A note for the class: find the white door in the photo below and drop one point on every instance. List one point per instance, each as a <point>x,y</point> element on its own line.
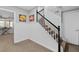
<point>71,26</point>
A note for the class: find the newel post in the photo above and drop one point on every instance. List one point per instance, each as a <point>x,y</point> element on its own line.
<point>59,47</point>
<point>36,15</point>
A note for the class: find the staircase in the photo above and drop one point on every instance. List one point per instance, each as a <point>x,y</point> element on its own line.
<point>53,31</point>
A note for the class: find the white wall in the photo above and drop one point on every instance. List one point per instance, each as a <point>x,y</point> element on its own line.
<point>52,16</point>
<point>33,12</point>
<point>40,8</point>
<point>19,31</point>
<point>42,37</point>
<point>71,24</point>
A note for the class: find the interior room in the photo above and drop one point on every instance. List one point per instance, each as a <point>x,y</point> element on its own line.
<point>39,29</point>
<point>6,28</point>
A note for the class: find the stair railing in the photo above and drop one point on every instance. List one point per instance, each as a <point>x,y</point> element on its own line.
<point>58,28</point>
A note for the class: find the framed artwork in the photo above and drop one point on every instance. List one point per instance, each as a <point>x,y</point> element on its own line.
<point>31,18</point>
<point>22,18</point>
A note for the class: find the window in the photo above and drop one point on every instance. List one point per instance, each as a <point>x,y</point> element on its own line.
<point>9,24</point>
<point>6,23</point>
<point>2,24</point>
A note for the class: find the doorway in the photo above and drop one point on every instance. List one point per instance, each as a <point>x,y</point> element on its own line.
<point>6,29</point>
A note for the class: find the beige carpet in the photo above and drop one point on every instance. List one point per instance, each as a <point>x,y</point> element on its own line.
<point>6,45</point>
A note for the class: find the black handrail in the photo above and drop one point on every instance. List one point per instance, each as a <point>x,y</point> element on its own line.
<point>41,10</point>
<point>58,28</point>
<point>59,45</point>
<point>48,20</point>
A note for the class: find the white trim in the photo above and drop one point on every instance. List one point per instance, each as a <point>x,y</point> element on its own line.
<point>6,10</point>
<point>71,10</point>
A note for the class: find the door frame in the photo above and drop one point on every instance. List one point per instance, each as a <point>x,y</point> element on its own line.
<point>6,9</point>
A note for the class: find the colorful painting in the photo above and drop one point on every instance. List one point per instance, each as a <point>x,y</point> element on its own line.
<point>22,18</point>
<point>31,18</point>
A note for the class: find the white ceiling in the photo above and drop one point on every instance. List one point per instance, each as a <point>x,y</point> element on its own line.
<point>26,7</point>
<point>65,8</point>
<point>9,14</point>
<point>6,14</point>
